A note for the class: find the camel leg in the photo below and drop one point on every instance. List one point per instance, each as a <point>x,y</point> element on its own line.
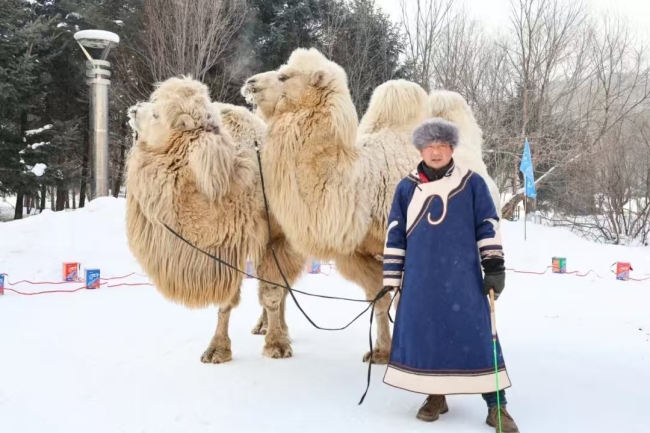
<point>277,342</point>
<point>219,349</point>
<point>367,272</point>
<point>262,324</point>
<point>273,298</point>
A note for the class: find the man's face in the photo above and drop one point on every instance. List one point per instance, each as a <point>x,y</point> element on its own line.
<point>437,154</point>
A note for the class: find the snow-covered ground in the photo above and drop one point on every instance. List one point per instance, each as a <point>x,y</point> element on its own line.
<point>122,359</point>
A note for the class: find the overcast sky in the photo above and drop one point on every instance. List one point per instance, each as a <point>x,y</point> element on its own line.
<point>495,13</point>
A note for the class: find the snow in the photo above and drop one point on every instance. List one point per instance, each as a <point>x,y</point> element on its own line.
<point>37,131</point>
<point>125,359</point>
<point>62,25</point>
<point>39,169</point>
<point>37,145</point>
<point>97,34</point>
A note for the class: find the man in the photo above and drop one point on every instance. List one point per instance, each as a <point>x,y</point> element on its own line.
<point>442,229</point>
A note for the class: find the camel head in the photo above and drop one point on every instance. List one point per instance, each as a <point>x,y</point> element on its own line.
<point>395,104</point>
<point>183,104</point>
<point>148,128</point>
<point>307,76</point>
<point>263,92</point>
<point>453,107</point>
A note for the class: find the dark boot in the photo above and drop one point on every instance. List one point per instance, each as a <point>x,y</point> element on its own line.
<point>507,423</point>
<point>432,407</point>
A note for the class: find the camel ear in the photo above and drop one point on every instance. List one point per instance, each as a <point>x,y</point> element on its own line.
<point>318,78</point>
<point>184,122</point>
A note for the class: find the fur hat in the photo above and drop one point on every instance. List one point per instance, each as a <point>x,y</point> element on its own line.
<point>435,129</point>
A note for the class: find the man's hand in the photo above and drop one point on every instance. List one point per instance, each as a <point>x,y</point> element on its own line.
<point>496,281</point>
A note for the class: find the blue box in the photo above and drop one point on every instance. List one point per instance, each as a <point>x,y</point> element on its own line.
<point>2,284</point>
<point>92,279</point>
<point>314,268</point>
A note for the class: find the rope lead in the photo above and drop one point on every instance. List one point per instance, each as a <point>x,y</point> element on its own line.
<point>287,286</point>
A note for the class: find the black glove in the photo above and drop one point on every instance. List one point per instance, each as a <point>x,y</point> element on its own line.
<point>494,281</point>
<point>495,276</point>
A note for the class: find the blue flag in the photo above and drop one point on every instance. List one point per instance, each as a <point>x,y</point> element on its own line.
<point>526,168</point>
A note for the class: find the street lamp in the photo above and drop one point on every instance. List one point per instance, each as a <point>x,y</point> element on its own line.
<point>98,73</point>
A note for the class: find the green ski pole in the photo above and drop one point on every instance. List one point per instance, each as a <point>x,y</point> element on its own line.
<point>494,346</point>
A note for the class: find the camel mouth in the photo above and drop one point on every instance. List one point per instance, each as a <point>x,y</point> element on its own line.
<point>248,91</point>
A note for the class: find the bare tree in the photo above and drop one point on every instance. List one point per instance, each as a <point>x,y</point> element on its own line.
<point>613,91</point>
<point>422,22</point>
<point>618,177</point>
<point>189,36</point>
<point>540,51</point>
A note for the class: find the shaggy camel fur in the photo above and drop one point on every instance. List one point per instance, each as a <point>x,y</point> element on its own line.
<point>330,191</point>
<point>453,107</point>
<point>246,129</point>
<point>185,171</point>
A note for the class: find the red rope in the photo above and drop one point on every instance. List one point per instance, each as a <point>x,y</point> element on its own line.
<point>105,283</point>
<point>69,282</point>
<point>576,273</point>
<point>125,276</point>
<point>47,291</point>
<point>131,284</point>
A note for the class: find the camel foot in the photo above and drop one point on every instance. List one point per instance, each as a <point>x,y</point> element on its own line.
<point>278,348</point>
<point>217,353</point>
<point>378,356</point>
<point>260,327</point>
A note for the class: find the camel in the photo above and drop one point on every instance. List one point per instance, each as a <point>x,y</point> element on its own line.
<point>452,106</point>
<point>331,181</point>
<point>186,171</point>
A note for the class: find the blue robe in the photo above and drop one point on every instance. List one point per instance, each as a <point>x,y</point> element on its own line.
<point>438,233</point>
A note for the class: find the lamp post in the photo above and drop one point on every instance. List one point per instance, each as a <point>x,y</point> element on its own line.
<point>98,79</point>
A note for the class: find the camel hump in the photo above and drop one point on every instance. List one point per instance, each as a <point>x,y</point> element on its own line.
<point>395,104</point>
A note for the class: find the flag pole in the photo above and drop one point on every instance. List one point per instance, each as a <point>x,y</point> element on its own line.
<point>525,211</point>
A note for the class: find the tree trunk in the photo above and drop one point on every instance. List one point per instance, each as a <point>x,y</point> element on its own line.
<point>120,172</point>
<point>60,198</point>
<point>84,170</point>
<point>43,196</point>
<point>74,199</point>
<point>508,210</point>
<point>18,213</point>
<point>67,198</point>
<point>52,199</point>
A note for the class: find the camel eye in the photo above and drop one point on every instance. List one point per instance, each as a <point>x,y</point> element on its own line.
<point>282,78</point>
